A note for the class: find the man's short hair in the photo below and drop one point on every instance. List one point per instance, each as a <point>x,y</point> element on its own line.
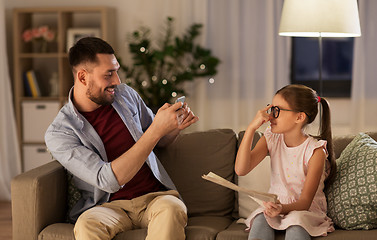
<point>86,50</point>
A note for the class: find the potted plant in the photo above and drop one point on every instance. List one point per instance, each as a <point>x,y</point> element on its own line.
<point>158,74</point>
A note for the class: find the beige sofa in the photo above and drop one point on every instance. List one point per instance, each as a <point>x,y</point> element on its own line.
<point>39,197</point>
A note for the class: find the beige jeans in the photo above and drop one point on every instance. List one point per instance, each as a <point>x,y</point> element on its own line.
<point>163,213</point>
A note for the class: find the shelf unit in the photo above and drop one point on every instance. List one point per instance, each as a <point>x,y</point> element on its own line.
<point>34,114</point>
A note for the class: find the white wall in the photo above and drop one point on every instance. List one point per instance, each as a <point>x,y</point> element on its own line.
<point>130,14</point>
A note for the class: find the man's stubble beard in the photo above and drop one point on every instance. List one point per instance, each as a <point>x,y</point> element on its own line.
<point>101,99</point>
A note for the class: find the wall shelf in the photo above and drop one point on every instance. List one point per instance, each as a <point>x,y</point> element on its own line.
<point>34,114</point>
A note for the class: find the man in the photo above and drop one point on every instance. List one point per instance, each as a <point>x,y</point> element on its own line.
<point>104,136</point>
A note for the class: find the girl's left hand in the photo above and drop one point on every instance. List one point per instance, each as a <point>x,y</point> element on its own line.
<point>272,209</point>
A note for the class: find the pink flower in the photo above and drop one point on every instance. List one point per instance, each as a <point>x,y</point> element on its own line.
<point>49,36</point>
<point>43,30</point>
<point>27,35</point>
<point>38,33</point>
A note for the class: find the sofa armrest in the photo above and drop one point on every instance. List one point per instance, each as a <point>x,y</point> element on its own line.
<point>38,200</point>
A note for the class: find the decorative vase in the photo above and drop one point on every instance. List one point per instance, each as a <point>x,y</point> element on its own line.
<point>40,46</point>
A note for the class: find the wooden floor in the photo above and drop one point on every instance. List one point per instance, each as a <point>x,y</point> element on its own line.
<point>5,221</point>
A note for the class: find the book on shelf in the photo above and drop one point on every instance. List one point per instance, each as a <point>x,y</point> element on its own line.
<point>257,196</point>
<point>31,84</point>
<point>27,86</point>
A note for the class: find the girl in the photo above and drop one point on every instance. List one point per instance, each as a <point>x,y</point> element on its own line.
<point>299,165</point>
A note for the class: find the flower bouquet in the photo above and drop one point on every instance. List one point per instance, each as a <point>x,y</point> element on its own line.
<point>40,36</point>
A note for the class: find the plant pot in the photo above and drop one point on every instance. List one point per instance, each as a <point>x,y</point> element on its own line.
<point>40,46</point>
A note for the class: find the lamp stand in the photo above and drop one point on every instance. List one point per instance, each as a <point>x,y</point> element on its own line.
<point>320,65</point>
<point>320,81</point>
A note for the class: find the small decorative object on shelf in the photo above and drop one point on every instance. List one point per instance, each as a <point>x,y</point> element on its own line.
<point>40,37</point>
<point>54,84</point>
<point>158,74</point>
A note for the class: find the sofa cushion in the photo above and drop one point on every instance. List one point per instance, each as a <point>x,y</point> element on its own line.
<point>341,142</point>
<point>57,231</point>
<point>206,227</point>
<point>352,197</point>
<point>73,194</point>
<point>236,231</point>
<point>198,228</point>
<point>258,179</point>
<point>198,153</point>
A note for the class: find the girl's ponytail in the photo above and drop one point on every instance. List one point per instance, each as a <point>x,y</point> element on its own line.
<point>326,134</point>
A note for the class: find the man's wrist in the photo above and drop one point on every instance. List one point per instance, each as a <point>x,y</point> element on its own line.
<point>154,133</point>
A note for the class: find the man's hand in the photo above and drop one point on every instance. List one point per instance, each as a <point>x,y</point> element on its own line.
<point>186,118</point>
<point>172,117</point>
<point>166,119</point>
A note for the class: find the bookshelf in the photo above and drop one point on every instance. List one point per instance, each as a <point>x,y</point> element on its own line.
<point>51,68</point>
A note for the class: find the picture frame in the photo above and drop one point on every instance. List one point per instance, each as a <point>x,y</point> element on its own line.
<point>75,34</point>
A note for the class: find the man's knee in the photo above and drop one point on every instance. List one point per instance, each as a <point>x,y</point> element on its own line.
<point>167,216</point>
<point>170,206</point>
<point>86,219</point>
<point>84,225</point>
<point>103,222</point>
<point>173,203</point>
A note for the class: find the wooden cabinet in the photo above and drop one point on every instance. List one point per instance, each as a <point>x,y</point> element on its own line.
<point>49,63</point>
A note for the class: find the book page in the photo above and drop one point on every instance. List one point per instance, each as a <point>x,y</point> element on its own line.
<point>259,197</point>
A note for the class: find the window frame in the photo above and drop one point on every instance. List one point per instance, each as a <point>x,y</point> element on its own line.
<point>335,88</point>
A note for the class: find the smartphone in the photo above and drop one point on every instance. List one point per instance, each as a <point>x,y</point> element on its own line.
<point>181,99</point>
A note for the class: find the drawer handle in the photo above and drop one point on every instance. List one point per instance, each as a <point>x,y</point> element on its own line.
<point>41,150</point>
<point>41,106</point>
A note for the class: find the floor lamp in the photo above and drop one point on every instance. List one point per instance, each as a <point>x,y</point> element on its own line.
<point>320,18</point>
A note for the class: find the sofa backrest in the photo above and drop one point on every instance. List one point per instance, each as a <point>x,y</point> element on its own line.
<point>341,142</point>
<point>195,154</point>
<point>256,138</point>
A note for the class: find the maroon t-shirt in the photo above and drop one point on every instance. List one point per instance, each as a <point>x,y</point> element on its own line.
<point>117,140</point>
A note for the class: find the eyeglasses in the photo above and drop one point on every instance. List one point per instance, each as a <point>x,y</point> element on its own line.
<point>275,111</point>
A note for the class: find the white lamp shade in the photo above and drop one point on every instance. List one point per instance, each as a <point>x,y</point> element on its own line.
<point>314,18</point>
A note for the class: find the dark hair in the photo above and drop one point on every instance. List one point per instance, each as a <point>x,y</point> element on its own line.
<point>86,50</point>
<point>304,99</point>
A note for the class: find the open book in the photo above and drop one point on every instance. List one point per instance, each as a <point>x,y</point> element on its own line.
<point>259,197</point>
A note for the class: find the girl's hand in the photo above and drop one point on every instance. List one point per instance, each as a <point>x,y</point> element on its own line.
<point>260,118</point>
<point>272,209</point>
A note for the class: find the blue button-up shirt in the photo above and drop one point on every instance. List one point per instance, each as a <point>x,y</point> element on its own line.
<point>72,141</point>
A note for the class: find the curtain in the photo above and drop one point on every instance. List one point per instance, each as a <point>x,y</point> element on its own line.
<point>9,148</point>
<point>243,34</point>
<point>364,83</point>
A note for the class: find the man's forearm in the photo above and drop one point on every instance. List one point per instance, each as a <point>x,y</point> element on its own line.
<point>129,163</point>
<point>168,139</point>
